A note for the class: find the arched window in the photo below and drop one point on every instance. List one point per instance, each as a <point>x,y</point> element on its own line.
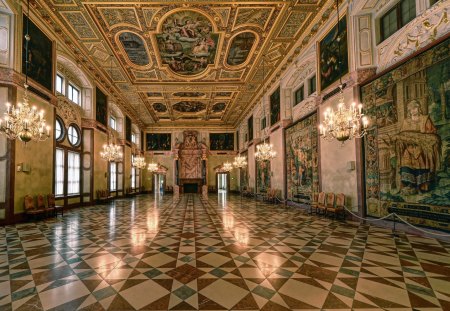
<point>73,135</point>
<point>60,130</point>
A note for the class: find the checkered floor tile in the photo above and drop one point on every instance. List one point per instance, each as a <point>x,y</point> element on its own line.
<point>223,253</point>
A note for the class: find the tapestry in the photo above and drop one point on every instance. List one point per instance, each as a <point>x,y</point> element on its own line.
<point>40,55</point>
<point>101,107</point>
<point>275,107</point>
<point>262,176</point>
<point>221,141</point>
<point>407,149</point>
<point>158,141</point>
<point>302,160</point>
<point>128,128</point>
<point>333,49</point>
<point>250,128</point>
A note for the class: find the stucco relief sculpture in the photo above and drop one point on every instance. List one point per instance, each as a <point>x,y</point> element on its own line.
<point>191,153</point>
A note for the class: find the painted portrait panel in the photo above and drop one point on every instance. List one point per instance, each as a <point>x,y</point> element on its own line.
<point>275,107</point>
<point>331,54</point>
<point>302,160</point>
<point>189,106</point>
<point>221,141</point>
<point>187,43</point>
<point>407,151</point>
<point>240,48</point>
<point>128,128</point>
<point>158,141</point>
<point>244,173</point>
<point>40,55</point>
<point>101,107</point>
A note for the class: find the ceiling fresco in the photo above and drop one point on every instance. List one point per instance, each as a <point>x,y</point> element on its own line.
<point>179,58</point>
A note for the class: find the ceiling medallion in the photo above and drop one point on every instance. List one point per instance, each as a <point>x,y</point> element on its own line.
<point>186,42</point>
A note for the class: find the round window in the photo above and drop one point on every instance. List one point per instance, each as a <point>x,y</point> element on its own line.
<point>59,130</point>
<point>73,134</point>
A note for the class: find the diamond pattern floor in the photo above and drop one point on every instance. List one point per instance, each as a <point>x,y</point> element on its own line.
<point>222,253</point>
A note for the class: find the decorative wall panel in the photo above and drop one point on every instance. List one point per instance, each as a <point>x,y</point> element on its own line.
<point>262,176</point>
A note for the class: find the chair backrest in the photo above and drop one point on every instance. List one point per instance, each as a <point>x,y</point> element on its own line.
<point>50,200</point>
<point>28,203</point>
<point>40,201</point>
<point>340,200</point>
<point>321,198</point>
<point>315,197</point>
<point>329,199</point>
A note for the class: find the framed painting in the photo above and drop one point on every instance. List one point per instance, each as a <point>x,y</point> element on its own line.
<point>221,141</point>
<point>333,49</point>
<point>407,149</point>
<point>101,107</point>
<point>40,55</point>
<point>250,128</point>
<point>262,176</point>
<point>158,141</point>
<point>128,128</point>
<point>302,159</point>
<point>275,106</point>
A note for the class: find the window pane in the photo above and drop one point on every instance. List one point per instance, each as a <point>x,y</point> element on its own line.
<point>73,173</point>
<point>112,123</point>
<point>312,85</point>
<point>58,130</point>
<point>59,84</point>
<point>112,176</point>
<point>408,11</point>
<point>299,95</point>
<point>74,94</point>
<point>73,135</point>
<point>389,24</point>
<point>133,177</point>
<point>59,172</point>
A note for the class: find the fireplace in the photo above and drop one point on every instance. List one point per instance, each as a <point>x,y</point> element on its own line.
<point>190,185</point>
<point>190,188</point>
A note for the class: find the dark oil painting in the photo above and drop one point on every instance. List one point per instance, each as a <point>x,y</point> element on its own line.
<point>101,107</point>
<point>332,51</point>
<point>158,141</point>
<point>40,55</point>
<point>275,107</point>
<point>221,141</point>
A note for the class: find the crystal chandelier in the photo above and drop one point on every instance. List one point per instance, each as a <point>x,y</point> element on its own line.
<point>227,166</point>
<point>152,167</point>
<point>347,122</point>
<point>240,162</point>
<point>139,162</point>
<point>112,152</point>
<point>22,121</point>
<point>264,151</point>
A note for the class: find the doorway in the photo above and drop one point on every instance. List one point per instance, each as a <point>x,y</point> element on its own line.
<point>222,182</point>
<point>158,183</point>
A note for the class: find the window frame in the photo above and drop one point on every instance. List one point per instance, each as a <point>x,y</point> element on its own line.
<point>77,130</point>
<point>312,80</point>
<point>62,84</point>
<point>113,119</point>
<point>112,176</point>
<point>399,22</point>
<point>70,169</point>
<point>70,93</point>
<point>302,88</point>
<point>61,137</point>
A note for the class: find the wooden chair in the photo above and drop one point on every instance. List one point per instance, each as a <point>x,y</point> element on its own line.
<point>339,207</point>
<point>329,201</point>
<point>321,207</point>
<point>314,202</point>
<point>41,204</point>
<point>30,207</point>
<point>52,204</point>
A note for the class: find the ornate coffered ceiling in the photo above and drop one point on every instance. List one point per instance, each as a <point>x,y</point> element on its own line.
<point>186,61</point>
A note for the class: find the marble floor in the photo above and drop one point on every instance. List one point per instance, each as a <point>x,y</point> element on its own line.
<point>222,253</point>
